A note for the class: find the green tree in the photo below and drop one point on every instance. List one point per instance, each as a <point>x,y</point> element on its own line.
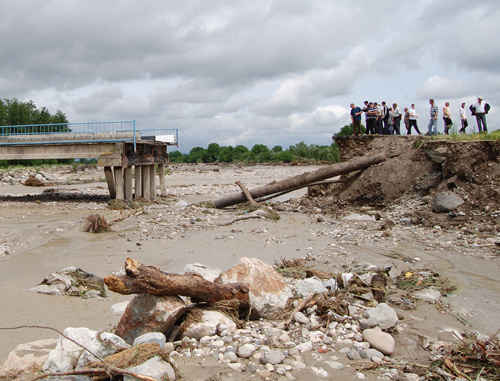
<point>226,154</point>
<point>175,157</point>
<point>258,149</point>
<point>347,130</point>
<point>278,149</point>
<point>213,152</point>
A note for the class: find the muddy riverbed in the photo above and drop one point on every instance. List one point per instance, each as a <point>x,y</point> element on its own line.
<point>41,232</point>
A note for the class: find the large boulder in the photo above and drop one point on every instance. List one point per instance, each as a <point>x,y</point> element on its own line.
<point>30,356</point>
<point>268,292</point>
<point>68,356</point>
<point>382,316</point>
<point>446,201</point>
<point>73,282</point>
<point>149,313</point>
<point>209,325</point>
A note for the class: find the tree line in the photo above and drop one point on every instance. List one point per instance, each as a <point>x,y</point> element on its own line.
<point>16,113</point>
<point>259,153</point>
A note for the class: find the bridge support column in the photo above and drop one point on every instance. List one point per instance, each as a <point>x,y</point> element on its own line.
<point>128,183</point>
<point>152,179</point>
<point>120,191</point>
<point>138,181</point>
<point>161,174</point>
<point>146,183</point>
<point>110,179</point>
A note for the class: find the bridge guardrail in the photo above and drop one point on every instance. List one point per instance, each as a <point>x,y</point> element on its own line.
<point>83,133</point>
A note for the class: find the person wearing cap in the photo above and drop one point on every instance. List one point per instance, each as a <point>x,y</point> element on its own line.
<point>481,111</point>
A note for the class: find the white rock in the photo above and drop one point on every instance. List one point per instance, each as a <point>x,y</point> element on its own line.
<point>208,273</point>
<point>385,316</point>
<point>299,317</point>
<point>268,291</point>
<point>119,308</point>
<point>309,286</point>
<point>208,325</point>
<point>67,355</point>
<point>29,355</point>
<point>155,367</point>
<point>305,347</point>
<point>335,365</point>
<point>379,340</point>
<point>246,351</point>
<point>151,337</point>
<point>319,372</point>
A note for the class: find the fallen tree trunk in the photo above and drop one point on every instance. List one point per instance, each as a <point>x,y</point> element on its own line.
<point>140,279</point>
<point>302,180</point>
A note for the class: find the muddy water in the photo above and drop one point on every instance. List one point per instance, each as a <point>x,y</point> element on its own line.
<point>42,240</point>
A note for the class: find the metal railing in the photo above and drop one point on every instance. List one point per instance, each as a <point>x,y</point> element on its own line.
<point>124,131</point>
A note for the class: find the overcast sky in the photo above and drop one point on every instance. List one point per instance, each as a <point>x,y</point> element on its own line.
<point>246,72</point>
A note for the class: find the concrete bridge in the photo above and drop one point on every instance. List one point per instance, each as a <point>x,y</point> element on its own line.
<point>121,149</point>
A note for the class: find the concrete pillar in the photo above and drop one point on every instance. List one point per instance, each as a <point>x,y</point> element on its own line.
<point>161,174</point>
<point>138,181</point>
<point>128,183</point>
<point>108,172</point>
<point>120,195</point>
<point>146,183</point>
<point>152,179</point>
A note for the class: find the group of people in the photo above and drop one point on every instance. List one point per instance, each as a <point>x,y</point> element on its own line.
<point>386,120</point>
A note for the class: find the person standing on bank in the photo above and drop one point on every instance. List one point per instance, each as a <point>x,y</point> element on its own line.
<point>463,118</point>
<point>407,120</point>
<point>413,120</point>
<point>447,118</point>
<point>356,119</point>
<point>481,111</point>
<point>397,119</point>
<point>371,119</point>
<point>432,128</point>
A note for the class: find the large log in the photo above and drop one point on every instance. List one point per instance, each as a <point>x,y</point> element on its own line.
<point>140,279</point>
<point>302,180</point>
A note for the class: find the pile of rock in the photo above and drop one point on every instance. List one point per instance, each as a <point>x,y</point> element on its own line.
<point>262,347</point>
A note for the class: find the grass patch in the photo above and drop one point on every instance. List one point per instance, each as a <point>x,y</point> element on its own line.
<point>293,268</point>
<point>495,135</point>
<point>424,279</point>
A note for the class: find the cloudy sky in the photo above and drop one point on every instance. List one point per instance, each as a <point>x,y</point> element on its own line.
<point>246,72</point>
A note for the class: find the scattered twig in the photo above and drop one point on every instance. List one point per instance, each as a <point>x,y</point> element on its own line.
<point>109,370</point>
<point>300,307</point>
<point>240,219</point>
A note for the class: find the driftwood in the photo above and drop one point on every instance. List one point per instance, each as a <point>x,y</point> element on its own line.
<point>300,307</point>
<point>140,279</point>
<point>302,180</point>
<point>246,192</point>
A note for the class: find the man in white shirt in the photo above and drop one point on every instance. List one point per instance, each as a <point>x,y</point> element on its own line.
<point>463,118</point>
<point>413,120</point>
<point>480,114</point>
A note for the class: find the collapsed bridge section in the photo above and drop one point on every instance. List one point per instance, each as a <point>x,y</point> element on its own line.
<point>119,148</point>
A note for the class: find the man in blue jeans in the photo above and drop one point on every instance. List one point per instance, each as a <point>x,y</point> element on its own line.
<point>432,128</point>
<point>481,112</point>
